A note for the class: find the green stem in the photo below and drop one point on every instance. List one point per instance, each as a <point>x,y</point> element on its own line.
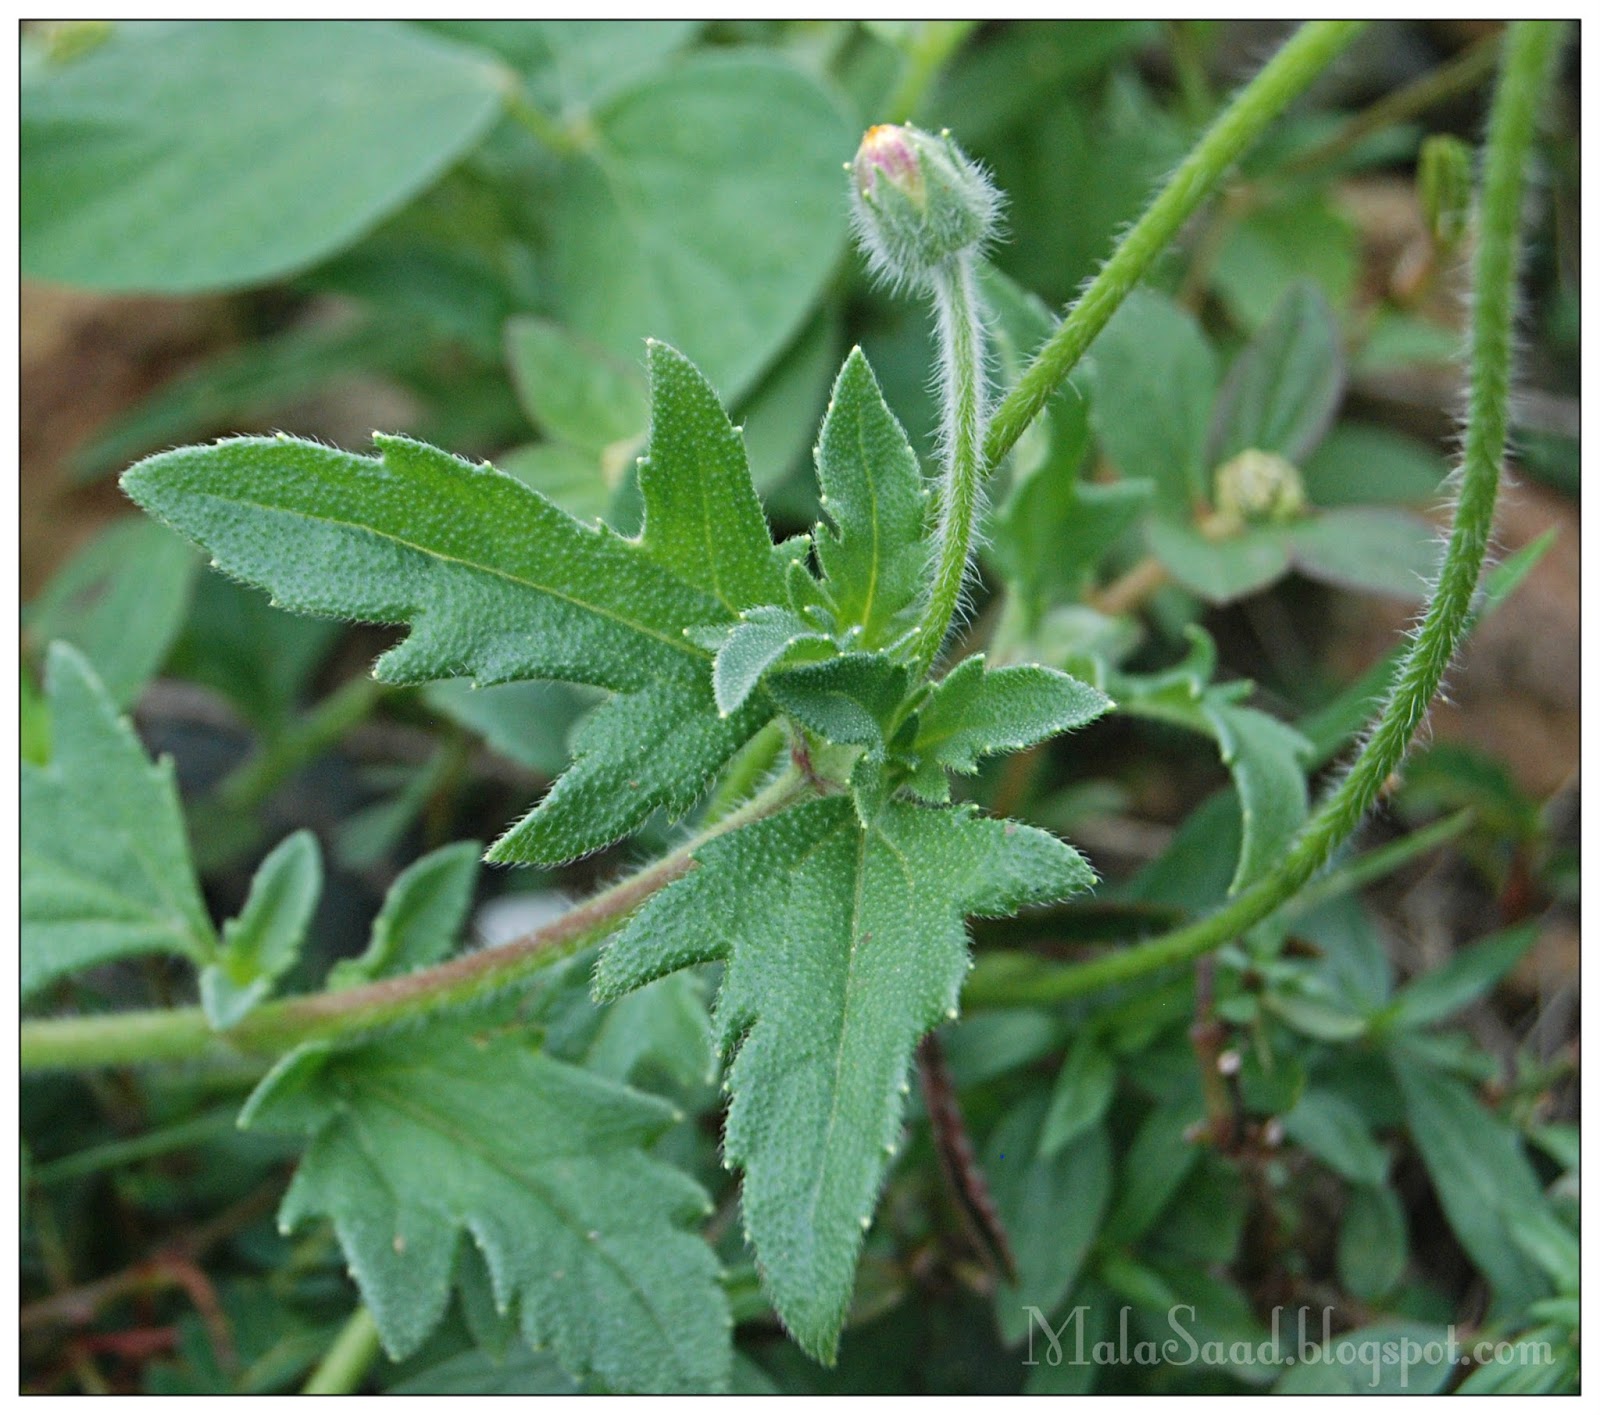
<point>1311,49</point>
<point>1529,50</point>
<point>935,45</point>
<point>1461,75</point>
<point>960,341</point>
<point>133,1038</point>
<point>118,1154</point>
<point>345,1366</point>
<point>249,784</point>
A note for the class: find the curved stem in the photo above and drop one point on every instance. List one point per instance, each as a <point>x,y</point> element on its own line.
<point>177,1034</point>
<point>1309,51</point>
<point>960,338</point>
<point>1530,47</point>
<point>347,1361</point>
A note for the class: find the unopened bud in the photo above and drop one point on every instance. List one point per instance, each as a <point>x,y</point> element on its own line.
<point>918,200</point>
<point>1444,185</point>
<point>1259,486</point>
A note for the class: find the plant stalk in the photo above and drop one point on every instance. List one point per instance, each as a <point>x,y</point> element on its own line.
<point>1528,55</point>
<point>347,1361</point>
<point>960,339</point>
<point>181,1034</point>
<point>1308,52</point>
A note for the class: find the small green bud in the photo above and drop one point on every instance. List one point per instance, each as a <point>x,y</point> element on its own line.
<point>1259,486</point>
<point>918,201</point>
<point>1444,184</point>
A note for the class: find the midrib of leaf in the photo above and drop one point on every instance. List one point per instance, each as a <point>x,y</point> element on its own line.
<point>872,499</point>
<point>467,1141</point>
<point>856,905</point>
<point>679,643</point>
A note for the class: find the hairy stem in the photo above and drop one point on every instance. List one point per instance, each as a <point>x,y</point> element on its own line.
<point>1529,51</point>
<point>130,1038</point>
<point>1312,48</point>
<point>960,337</point>
<point>347,1361</point>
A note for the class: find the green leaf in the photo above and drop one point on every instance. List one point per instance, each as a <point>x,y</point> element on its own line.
<point>1052,535</point>
<point>1266,758</point>
<point>780,415</point>
<point>1383,551</point>
<point>661,1028</point>
<point>1358,463</point>
<point>1463,980</point>
<point>1284,388</point>
<point>844,945</point>
<point>1386,1358</point>
<point>412,1147</point>
<point>216,154</point>
<point>121,601</point>
<point>575,478</point>
<point>1480,1174</point>
<point>1153,377</point>
<point>1081,1096</point>
<point>1220,571</point>
<point>421,919</point>
<point>1050,1203</point>
<point>262,943</point>
<point>1372,1243</point>
<point>1280,246</point>
<point>703,520</point>
<point>973,712</point>
<point>570,64</point>
<point>766,638</point>
<point>874,554</point>
<point>678,221</point>
<point>849,700</point>
<point>497,582</point>
<point>573,390</point>
<point>1154,1167</point>
<point>529,723</point>
<point>1335,1131</point>
<point>104,864</point>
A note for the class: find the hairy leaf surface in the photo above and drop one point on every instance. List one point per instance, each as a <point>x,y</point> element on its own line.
<point>421,918</point>
<point>499,584</point>
<point>105,863</point>
<point>975,713</point>
<point>874,555</point>
<point>844,945</point>
<point>262,943</point>
<point>413,1146</point>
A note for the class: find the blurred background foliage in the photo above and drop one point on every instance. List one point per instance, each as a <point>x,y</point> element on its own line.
<point>464,231</point>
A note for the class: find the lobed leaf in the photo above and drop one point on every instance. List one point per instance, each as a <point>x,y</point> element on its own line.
<point>105,866</point>
<point>499,584</point>
<point>844,944</point>
<point>412,1147</point>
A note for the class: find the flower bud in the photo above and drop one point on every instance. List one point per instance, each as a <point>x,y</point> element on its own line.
<point>917,201</point>
<point>1444,184</point>
<point>1259,486</point>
